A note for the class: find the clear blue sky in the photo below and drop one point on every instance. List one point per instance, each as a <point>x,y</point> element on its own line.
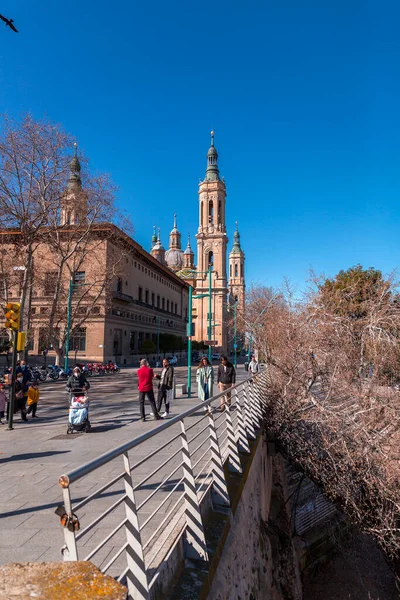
<point>304,98</point>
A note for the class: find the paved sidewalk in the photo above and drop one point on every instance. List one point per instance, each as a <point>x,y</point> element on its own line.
<point>36,453</point>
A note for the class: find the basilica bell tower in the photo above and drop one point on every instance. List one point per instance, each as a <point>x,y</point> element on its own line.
<point>212,243</point>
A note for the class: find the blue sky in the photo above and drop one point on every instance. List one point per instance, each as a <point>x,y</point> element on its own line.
<point>304,99</point>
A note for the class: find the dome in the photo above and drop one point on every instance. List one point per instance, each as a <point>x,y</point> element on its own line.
<point>174,258</point>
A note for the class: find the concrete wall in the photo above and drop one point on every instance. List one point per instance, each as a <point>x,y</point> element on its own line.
<point>258,560</point>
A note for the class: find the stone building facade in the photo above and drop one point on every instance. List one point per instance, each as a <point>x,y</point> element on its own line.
<point>122,295</point>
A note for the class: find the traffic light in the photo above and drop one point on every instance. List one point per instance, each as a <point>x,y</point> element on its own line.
<point>12,315</point>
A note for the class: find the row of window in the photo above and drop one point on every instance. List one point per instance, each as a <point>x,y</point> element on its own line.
<point>80,310</point>
<point>77,341</point>
<point>155,276</point>
<point>167,305</point>
<point>145,319</point>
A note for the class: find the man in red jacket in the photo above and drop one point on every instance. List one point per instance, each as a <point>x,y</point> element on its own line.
<point>145,385</point>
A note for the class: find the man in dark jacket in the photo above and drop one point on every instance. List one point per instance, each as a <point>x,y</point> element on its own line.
<point>165,386</point>
<point>77,383</point>
<point>226,379</point>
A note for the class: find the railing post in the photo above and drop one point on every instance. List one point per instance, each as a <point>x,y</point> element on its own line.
<point>241,429</point>
<point>248,418</point>
<point>255,405</point>
<point>233,455</point>
<point>220,496</point>
<point>136,576</point>
<point>70,550</point>
<point>195,539</point>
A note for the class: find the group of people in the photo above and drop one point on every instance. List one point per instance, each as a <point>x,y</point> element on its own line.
<point>165,387</point>
<point>27,390</point>
<point>226,379</point>
<point>26,396</point>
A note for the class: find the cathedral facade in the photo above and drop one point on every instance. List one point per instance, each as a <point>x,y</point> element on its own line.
<point>226,272</point>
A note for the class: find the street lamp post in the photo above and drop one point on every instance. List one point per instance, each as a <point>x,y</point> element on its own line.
<point>70,290</point>
<point>229,308</point>
<point>189,273</point>
<point>158,339</point>
<point>251,335</point>
<point>234,335</point>
<point>189,334</point>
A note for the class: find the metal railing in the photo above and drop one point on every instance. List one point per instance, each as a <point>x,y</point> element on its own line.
<point>136,500</point>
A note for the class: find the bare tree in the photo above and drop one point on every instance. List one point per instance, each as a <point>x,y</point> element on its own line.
<point>37,181</point>
<point>329,408</point>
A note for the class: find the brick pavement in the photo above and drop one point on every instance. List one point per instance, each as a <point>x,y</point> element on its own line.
<point>33,456</point>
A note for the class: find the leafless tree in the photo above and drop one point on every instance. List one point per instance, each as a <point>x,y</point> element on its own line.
<point>330,409</point>
<point>35,159</point>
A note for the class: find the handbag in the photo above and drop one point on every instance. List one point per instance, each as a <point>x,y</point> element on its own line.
<point>19,395</point>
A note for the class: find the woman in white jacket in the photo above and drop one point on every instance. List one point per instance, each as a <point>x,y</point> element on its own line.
<point>205,380</point>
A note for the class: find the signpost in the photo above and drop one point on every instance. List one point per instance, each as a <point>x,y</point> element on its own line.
<point>210,343</point>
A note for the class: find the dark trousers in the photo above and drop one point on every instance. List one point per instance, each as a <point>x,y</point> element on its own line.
<point>150,398</point>
<point>162,395</point>
<point>32,409</point>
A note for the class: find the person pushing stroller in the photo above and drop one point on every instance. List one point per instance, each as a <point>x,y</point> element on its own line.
<point>77,383</point>
<point>77,386</point>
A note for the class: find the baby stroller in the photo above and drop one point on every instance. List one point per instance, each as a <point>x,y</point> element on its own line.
<point>78,419</point>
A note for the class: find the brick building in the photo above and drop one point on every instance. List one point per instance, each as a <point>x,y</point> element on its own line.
<point>122,296</point>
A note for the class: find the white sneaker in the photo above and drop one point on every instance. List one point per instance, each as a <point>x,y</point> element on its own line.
<point>151,414</point>
<point>165,415</point>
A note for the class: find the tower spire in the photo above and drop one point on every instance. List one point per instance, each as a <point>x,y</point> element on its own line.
<point>154,237</point>
<point>188,256</point>
<point>75,181</point>
<point>236,248</point>
<point>212,171</point>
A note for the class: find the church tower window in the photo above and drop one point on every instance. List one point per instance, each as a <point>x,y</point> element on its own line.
<point>236,270</point>
<point>210,258</point>
<point>211,212</point>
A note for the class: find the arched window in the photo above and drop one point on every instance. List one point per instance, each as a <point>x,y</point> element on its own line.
<point>210,258</point>
<point>211,212</point>
<point>241,270</point>
<point>236,270</point>
<point>230,270</point>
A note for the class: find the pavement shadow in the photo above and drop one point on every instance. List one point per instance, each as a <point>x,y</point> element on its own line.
<point>17,457</point>
<point>32,509</point>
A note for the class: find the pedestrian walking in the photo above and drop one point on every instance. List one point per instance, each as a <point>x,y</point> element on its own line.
<point>165,387</point>
<point>33,399</point>
<point>145,386</point>
<point>205,380</point>
<point>226,380</point>
<point>19,397</point>
<point>253,366</point>
<point>26,373</point>
<point>3,401</point>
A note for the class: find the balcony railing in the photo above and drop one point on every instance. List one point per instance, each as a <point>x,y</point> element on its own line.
<point>121,296</point>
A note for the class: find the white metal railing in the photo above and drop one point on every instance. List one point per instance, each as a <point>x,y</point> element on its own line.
<point>146,487</point>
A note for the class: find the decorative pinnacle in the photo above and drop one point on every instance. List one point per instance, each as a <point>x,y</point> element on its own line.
<point>212,138</point>
<point>159,236</point>
<point>75,149</point>
<point>175,221</point>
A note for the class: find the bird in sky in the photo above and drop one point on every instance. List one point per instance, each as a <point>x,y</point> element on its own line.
<point>9,23</point>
